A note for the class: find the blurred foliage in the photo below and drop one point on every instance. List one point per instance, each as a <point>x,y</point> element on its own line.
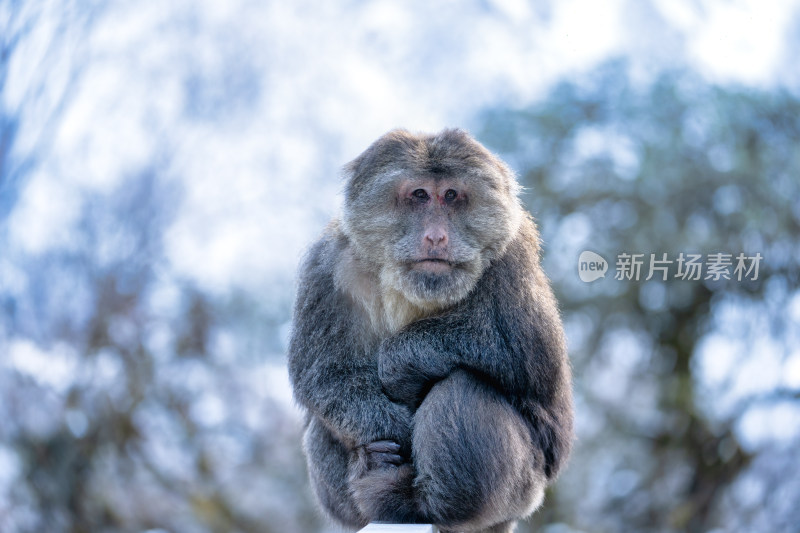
<point>133,399</point>
<point>673,166</point>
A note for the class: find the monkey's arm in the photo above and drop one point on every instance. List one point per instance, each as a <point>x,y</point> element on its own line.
<point>515,350</point>
<point>507,331</point>
<point>332,375</point>
<point>508,334</point>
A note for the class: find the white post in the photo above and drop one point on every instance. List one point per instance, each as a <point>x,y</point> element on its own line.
<point>378,527</point>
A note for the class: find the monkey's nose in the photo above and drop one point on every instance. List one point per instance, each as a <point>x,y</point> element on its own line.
<point>436,237</point>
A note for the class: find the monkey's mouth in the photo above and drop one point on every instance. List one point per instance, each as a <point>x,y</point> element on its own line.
<point>433,265</point>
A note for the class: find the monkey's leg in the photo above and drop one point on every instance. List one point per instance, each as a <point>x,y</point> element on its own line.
<point>477,469</point>
<point>328,469</point>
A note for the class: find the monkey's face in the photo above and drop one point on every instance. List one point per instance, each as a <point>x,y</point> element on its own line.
<point>430,213</point>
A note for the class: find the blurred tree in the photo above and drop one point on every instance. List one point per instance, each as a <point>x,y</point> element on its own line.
<point>154,419</point>
<point>664,370</point>
<point>130,398</point>
<point>45,33</point>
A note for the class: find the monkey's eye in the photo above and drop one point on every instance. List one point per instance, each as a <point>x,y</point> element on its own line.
<point>420,193</point>
<point>450,195</point>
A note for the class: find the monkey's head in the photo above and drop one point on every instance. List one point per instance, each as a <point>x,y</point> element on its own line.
<point>429,213</point>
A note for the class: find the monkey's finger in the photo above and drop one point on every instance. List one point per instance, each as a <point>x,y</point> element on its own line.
<point>383,446</point>
<point>386,458</point>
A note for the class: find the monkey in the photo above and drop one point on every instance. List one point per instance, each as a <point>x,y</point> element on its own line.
<point>426,347</point>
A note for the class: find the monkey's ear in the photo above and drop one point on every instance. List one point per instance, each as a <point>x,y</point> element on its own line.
<point>356,167</point>
<point>351,168</point>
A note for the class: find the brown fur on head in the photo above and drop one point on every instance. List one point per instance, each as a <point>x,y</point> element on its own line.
<point>426,214</point>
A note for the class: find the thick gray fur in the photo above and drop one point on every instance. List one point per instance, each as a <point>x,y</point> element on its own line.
<point>468,374</point>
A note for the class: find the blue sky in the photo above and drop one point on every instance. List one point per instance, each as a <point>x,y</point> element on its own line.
<point>256,105</point>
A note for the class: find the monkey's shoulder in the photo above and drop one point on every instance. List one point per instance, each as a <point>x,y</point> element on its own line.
<point>322,257</point>
<point>333,275</point>
<point>331,260</point>
<point>316,297</point>
<point>514,294</point>
<point>518,267</point>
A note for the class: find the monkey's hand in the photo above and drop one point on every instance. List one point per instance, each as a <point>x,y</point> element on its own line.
<point>404,384</point>
<point>382,483</point>
<point>382,421</point>
<point>376,456</point>
<point>408,368</point>
<point>382,453</point>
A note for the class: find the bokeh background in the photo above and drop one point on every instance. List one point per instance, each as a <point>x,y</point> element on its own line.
<point>164,164</point>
